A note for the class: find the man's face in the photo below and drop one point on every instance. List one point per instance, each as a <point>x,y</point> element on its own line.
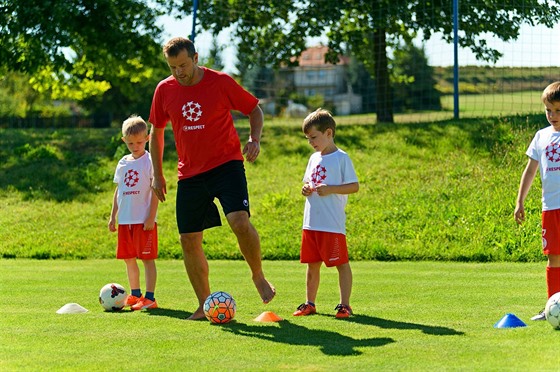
<point>183,67</point>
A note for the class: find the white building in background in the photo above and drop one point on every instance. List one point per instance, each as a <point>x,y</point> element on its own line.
<point>314,76</point>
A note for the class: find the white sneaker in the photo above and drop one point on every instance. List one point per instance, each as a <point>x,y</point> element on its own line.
<point>539,316</point>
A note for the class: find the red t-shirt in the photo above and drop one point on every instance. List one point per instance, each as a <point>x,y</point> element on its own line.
<point>205,136</point>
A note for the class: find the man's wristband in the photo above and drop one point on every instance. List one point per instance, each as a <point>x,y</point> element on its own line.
<point>253,139</point>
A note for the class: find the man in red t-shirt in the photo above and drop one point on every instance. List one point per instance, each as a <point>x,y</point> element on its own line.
<point>198,102</point>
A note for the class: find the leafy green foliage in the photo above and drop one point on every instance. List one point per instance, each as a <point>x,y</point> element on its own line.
<point>272,32</point>
<point>416,85</point>
<point>17,97</point>
<point>74,50</point>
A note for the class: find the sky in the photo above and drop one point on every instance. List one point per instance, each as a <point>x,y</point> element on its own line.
<point>535,46</point>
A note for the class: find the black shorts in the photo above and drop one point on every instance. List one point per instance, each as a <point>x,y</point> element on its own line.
<point>195,208</point>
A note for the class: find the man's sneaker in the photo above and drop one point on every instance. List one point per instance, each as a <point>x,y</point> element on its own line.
<point>344,311</point>
<point>539,316</point>
<point>144,303</point>
<point>133,300</point>
<point>305,309</point>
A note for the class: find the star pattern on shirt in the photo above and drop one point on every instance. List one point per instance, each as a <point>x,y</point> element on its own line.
<point>131,178</point>
<point>192,111</point>
<point>553,152</point>
<point>319,174</point>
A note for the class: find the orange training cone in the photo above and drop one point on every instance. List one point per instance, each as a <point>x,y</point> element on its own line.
<point>268,316</point>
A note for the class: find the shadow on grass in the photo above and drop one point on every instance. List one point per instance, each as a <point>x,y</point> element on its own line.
<point>330,343</point>
<point>392,324</point>
<point>171,313</point>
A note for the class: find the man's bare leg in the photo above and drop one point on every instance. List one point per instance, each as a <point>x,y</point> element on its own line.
<point>250,246</point>
<point>196,265</point>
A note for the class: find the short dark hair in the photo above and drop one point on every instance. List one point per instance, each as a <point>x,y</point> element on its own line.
<point>174,46</point>
<point>551,93</point>
<point>320,119</point>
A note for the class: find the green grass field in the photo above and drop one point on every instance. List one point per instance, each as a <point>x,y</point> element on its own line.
<point>480,105</point>
<point>409,316</point>
<point>436,198</point>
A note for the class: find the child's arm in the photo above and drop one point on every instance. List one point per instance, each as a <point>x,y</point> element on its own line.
<point>524,186</point>
<point>151,220</point>
<point>307,189</point>
<point>348,188</point>
<point>114,210</point>
<point>157,140</point>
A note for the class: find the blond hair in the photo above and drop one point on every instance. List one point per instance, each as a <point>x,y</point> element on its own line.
<point>134,125</point>
<point>320,119</point>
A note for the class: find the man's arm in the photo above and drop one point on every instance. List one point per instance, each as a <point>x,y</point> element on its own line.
<point>157,141</point>
<point>253,147</point>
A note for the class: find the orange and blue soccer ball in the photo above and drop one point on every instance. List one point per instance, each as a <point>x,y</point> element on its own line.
<point>219,307</point>
<point>112,297</point>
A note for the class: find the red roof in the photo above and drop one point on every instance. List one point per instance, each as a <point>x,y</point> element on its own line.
<point>315,56</point>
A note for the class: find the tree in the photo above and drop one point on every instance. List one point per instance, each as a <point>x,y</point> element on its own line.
<point>274,31</point>
<point>415,88</point>
<point>362,84</point>
<point>17,97</point>
<point>214,60</point>
<point>76,49</point>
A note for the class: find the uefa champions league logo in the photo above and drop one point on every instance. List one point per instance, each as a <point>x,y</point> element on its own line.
<point>192,111</point>
<point>553,152</point>
<point>131,178</point>
<point>319,174</point>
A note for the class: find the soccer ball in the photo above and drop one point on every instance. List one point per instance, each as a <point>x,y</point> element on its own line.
<point>219,307</point>
<point>552,310</point>
<point>112,297</point>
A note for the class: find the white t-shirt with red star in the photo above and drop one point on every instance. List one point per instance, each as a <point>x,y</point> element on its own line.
<point>205,136</point>
<point>326,213</point>
<point>545,148</point>
<point>134,179</point>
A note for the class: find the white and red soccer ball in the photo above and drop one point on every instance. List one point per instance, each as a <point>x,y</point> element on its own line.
<point>112,297</point>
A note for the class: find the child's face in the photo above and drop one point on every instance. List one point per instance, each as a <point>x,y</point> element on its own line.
<point>552,110</point>
<point>320,141</point>
<point>136,143</point>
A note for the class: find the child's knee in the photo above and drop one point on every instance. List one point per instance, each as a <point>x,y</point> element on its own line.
<point>554,260</point>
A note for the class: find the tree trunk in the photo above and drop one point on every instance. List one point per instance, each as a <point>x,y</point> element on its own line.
<point>384,98</point>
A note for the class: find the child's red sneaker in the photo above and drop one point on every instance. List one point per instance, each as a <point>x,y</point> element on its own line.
<point>145,304</point>
<point>344,311</point>
<point>133,300</point>
<point>305,309</point>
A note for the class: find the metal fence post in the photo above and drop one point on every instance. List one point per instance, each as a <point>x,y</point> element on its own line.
<point>195,10</point>
<point>456,59</point>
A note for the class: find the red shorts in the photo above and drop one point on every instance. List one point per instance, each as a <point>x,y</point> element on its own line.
<point>135,242</point>
<point>323,246</point>
<point>551,232</point>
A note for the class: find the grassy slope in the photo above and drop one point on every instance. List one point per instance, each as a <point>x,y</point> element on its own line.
<point>437,191</point>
